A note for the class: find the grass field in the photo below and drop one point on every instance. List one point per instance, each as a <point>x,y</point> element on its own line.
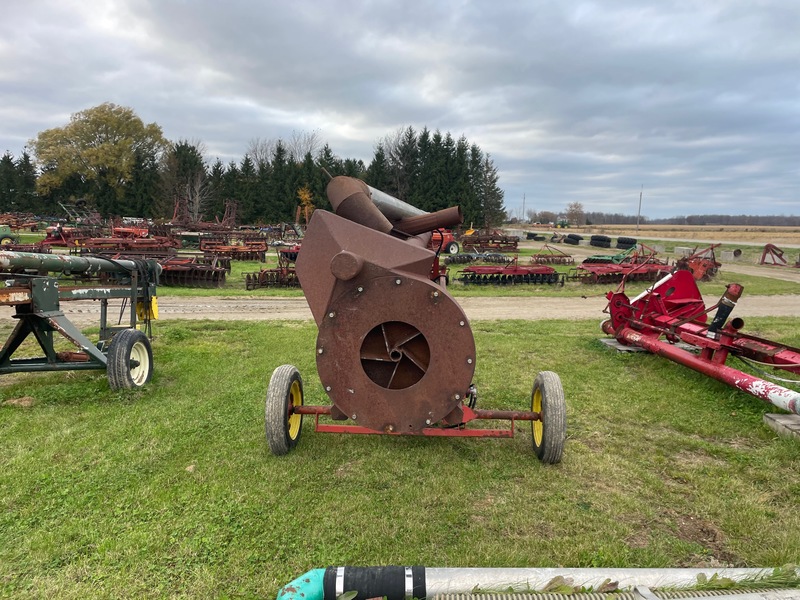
<point>171,491</point>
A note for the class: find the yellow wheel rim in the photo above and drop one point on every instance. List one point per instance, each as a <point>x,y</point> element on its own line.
<point>295,420</point>
<point>537,427</point>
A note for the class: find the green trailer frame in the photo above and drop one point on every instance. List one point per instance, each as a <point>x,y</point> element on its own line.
<point>123,351</point>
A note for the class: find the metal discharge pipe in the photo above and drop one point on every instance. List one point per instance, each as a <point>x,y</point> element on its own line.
<point>60,263</point>
<point>393,208</point>
<point>355,200</point>
<point>400,583</point>
<point>777,395</point>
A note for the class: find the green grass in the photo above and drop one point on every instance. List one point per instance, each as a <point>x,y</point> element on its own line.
<point>171,491</point>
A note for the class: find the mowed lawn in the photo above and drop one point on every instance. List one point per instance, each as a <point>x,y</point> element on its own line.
<point>171,491</point>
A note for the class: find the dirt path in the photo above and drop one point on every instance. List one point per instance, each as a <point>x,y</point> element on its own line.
<point>87,313</point>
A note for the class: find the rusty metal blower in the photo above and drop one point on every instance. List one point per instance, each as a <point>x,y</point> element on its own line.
<point>395,352</point>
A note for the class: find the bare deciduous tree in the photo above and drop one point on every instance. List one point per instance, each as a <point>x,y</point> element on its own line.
<point>261,150</point>
<point>302,143</point>
<point>575,214</point>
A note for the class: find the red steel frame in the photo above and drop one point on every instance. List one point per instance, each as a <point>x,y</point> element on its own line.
<point>469,414</point>
<point>674,308</point>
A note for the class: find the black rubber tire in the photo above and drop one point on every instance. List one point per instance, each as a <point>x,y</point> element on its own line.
<point>550,433</point>
<point>572,241</point>
<point>451,248</point>
<point>600,238</point>
<point>282,429</point>
<point>126,346</point>
<point>575,236</point>
<point>626,240</point>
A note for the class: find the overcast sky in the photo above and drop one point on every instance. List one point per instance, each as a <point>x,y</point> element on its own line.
<point>697,101</point>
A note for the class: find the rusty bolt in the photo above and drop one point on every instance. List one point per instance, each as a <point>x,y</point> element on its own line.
<point>360,289</point>
<point>319,351</point>
<point>435,294</point>
<point>398,281</point>
<point>469,360</point>
<point>354,417</point>
<point>427,421</point>
<point>461,323</point>
<point>331,314</point>
<point>327,388</point>
<point>458,396</point>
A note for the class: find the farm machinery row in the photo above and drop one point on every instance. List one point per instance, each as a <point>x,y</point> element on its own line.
<point>637,263</point>
<point>207,265</point>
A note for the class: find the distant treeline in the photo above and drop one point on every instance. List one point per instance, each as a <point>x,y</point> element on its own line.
<point>765,221</point>
<point>599,218</point>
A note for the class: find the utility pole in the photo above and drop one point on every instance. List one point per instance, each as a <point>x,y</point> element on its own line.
<point>524,216</point>
<point>638,214</point>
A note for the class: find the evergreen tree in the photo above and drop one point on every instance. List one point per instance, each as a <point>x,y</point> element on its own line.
<point>8,183</point>
<point>264,175</point>
<point>459,190</point>
<point>354,168</point>
<point>281,196</point>
<point>143,196</point>
<point>230,186</point>
<point>378,175</point>
<point>27,198</point>
<point>423,188</point>
<point>216,191</point>
<point>328,161</point>
<point>250,206</point>
<point>184,178</point>
<point>494,213</point>
<point>312,177</point>
<point>471,205</point>
<point>407,164</point>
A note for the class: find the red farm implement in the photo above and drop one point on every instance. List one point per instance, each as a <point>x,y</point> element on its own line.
<point>283,275</point>
<point>395,352</point>
<point>510,274</point>
<point>489,242</point>
<point>772,255</point>
<point>673,309</point>
<point>550,255</point>
<point>702,264</point>
<point>247,250</point>
<point>443,242</point>
<point>634,264</point>
<point>191,271</point>
<point>128,243</point>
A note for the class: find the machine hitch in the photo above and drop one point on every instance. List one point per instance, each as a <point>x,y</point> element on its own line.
<point>395,352</point>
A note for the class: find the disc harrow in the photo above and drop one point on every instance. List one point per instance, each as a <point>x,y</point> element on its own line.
<point>486,257</point>
<point>634,264</point>
<point>511,274</point>
<point>493,242</point>
<point>284,275</point>
<point>191,272</point>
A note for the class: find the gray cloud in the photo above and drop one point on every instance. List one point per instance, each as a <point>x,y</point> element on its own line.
<point>575,101</point>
